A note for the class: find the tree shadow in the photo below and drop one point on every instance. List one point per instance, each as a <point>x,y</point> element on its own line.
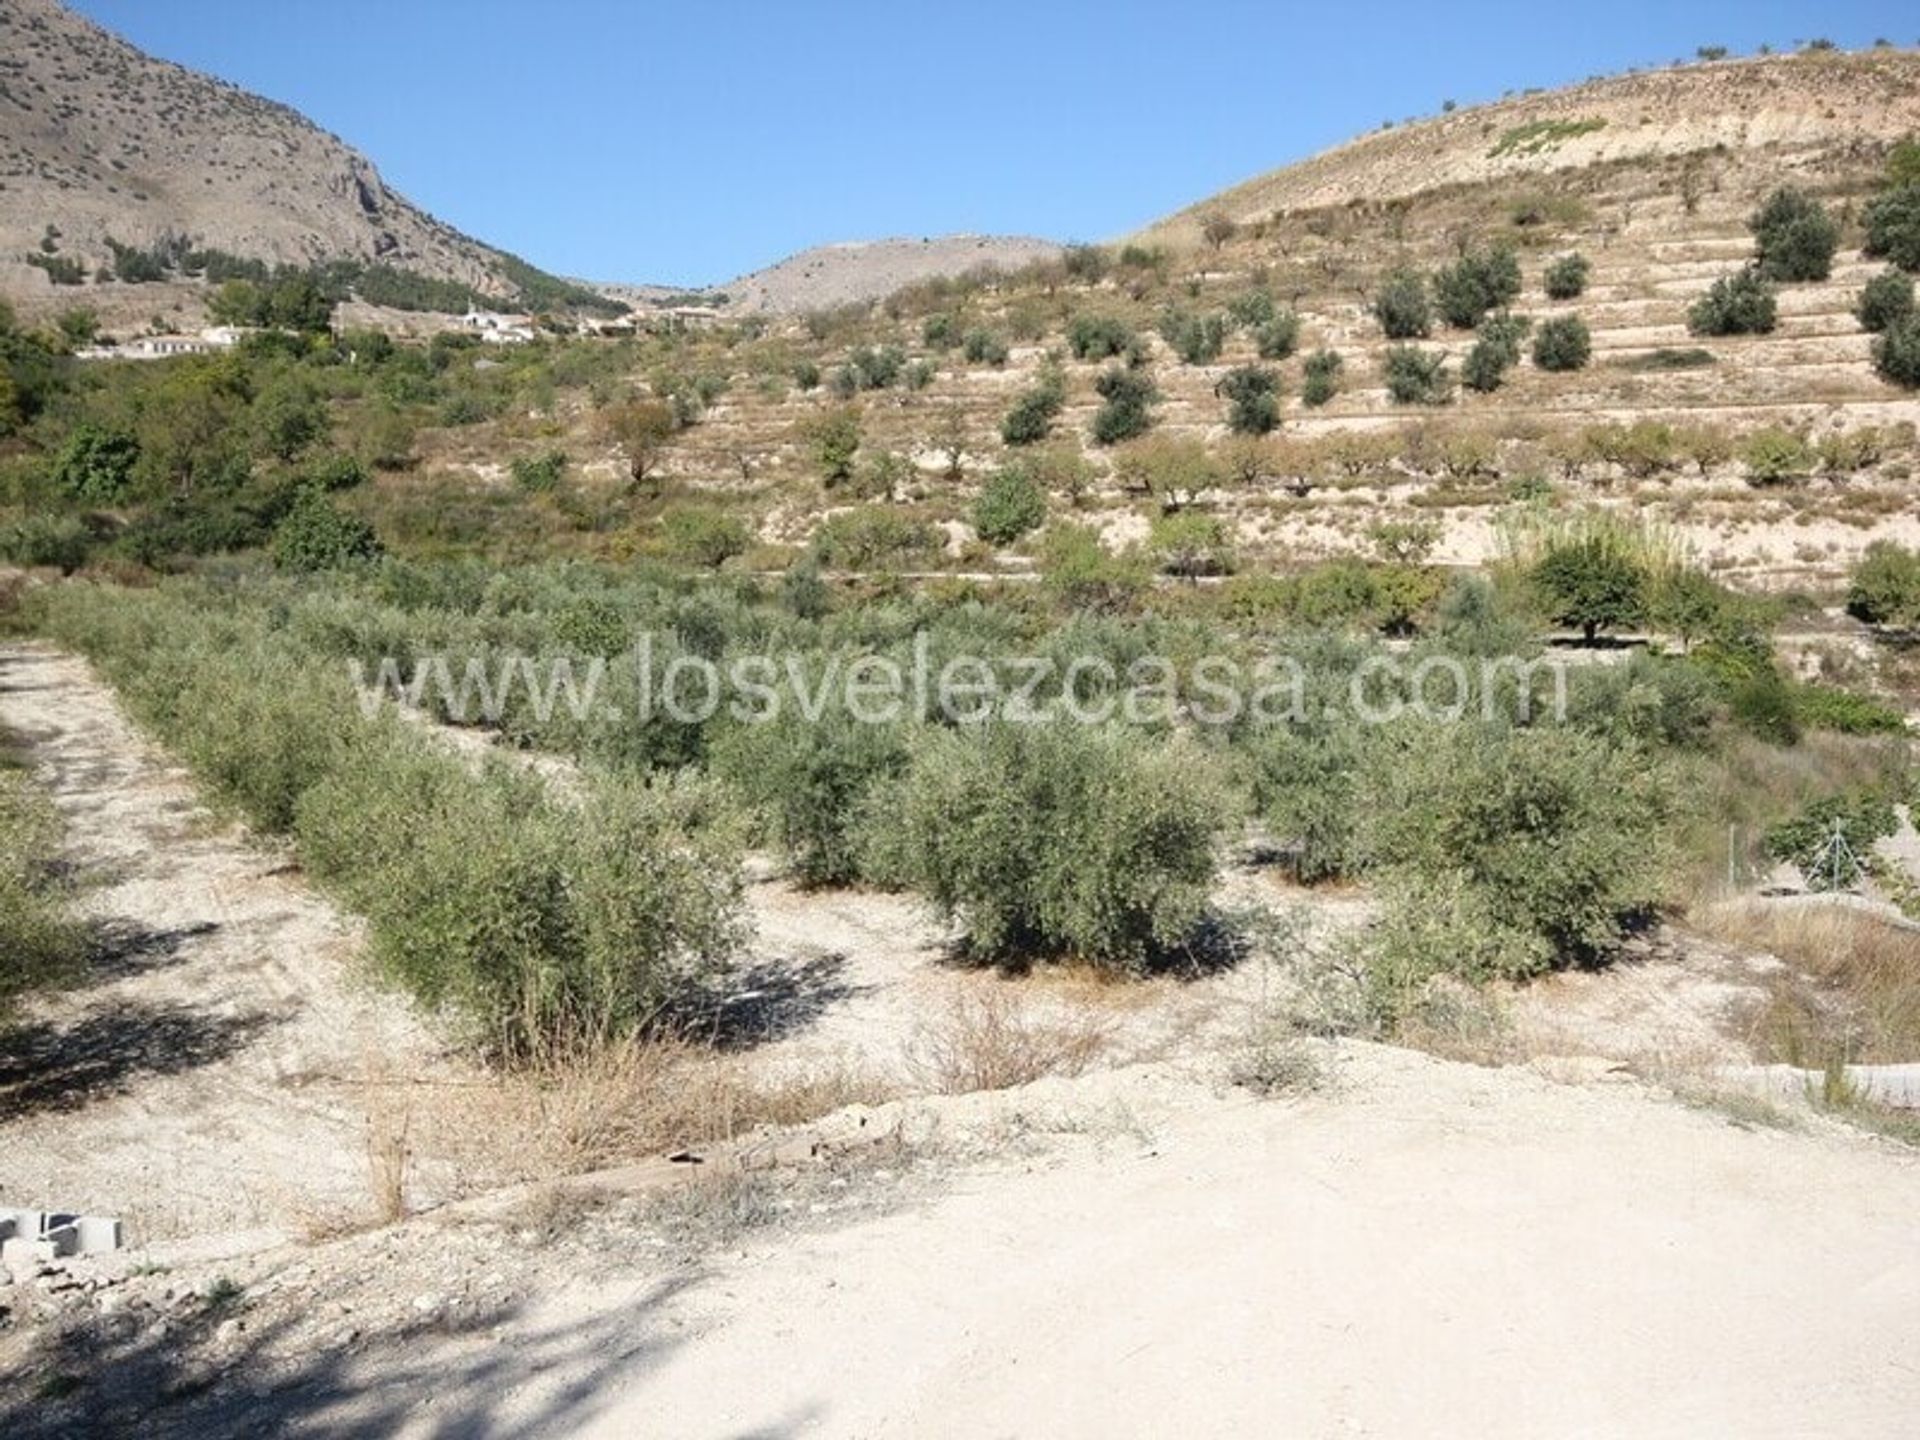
<point>119,948</point>
<point>65,1064</point>
<point>199,1376</point>
<point>770,1000</point>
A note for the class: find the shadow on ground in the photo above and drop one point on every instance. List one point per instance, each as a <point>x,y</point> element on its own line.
<point>65,1064</point>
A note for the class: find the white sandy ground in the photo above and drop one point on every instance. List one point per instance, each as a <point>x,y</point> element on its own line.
<point>1418,1248</point>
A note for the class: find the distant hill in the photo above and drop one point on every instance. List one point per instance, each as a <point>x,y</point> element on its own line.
<point>1795,107</point>
<point>102,142</point>
<point>830,275</point>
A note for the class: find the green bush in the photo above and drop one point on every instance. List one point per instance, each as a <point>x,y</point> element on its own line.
<point>1099,337</point>
<point>1739,304</point>
<point>1056,841</point>
<point>1252,393</point>
<point>872,537</point>
<point>1126,410</point>
<point>39,940</point>
<point>1824,707</point>
<point>1416,376</point>
<point>702,535</point>
<point>1031,419</point>
<point>1277,337</point>
<point>1504,853</point>
<point>1009,505</point>
<point>1893,226</point>
<point>1773,455</point>
<point>1884,588</point>
<point>1322,382</point>
<point>1831,841</point>
<point>1190,545</point>
<point>834,438</point>
<point>1566,277</point>
<point>1562,343</point>
<point>95,466</point>
<point>982,347</point>
<point>1794,237</point>
<point>1885,300</point>
<point>1495,352</point>
<point>1592,582</point>
<point>539,474</point>
<point>317,535</point>
<point>809,780</point>
<point>1196,339</point>
<point>57,541</point>
<point>1402,307</point>
<point>1896,352</point>
<point>1479,281</point>
<point>1082,574</point>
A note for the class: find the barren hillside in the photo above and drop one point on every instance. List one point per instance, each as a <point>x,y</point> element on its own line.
<point>830,275</point>
<point>99,140</point>
<point>1792,107</point>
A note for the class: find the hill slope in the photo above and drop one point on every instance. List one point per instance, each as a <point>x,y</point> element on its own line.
<point>99,140</point>
<point>1791,105</point>
<point>829,275</point>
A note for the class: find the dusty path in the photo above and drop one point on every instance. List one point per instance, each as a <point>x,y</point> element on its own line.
<point>1435,1250</point>
<point>211,1070</point>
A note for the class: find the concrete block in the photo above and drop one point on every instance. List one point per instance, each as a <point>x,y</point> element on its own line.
<point>21,1255</point>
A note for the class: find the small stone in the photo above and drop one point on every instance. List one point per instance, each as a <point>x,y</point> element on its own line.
<point>426,1304</point>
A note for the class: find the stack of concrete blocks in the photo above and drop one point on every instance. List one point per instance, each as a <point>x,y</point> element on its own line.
<point>37,1237</point>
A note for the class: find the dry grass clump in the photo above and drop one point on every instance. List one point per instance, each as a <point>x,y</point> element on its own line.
<point>1851,989</point>
<point>992,1040</point>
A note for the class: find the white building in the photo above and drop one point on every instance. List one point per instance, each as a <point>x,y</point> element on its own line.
<point>496,328</point>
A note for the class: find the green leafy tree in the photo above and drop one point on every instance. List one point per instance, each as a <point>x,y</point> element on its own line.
<point>1415,376</point>
<point>1402,307</point>
<point>1252,393</point>
<point>1566,277</point>
<point>1896,352</point>
<point>1884,588</point>
<point>1099,337</point>
<point>642,431</point>
<point>1192,545</point>
<point>834,439</point>
<point>1479,281</point>
<point>1794,237</point>
<point>1127,404</point>
<point>1322,377</point>
<point>1592,583</point>
<point>1885,299</point>
<point>1892,224</point>
<point>1562,343</point>
<point>1738,304</point>
<point>317,535</point>
<point>1011,504</point>
<point>96,465</point>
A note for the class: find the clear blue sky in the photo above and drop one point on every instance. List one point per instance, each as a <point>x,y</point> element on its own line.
<point>686,143</point>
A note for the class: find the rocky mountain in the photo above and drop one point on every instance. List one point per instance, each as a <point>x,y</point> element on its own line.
<point>100,141</point>
<point>830,275</point>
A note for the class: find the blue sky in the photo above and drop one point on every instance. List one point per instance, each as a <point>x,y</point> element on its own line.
<point>687,143</point>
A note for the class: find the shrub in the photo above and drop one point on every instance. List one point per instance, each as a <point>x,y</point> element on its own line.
<point>1278,337</point>
<point>317,535</point>
<point>95,466</point>
<point>982,347</point>
<point>1495,351</point>
<point>1503,853</point>
<point>1082,574</point>
<point>1831,841</point>
<point>1099,337</point>
<point>1885,300</point>
<point>1896,352</point>
<point>940,332</point>
<point>1196,339</point>
<point>808,779</point>
<point>1322,382</point>
<point>876,367</point>
<point>1056,840</point>
<point>1251,309</point>
<point>539,474</point>
<point>871,537</point>
<point>1893,226</point>
<point>834,438</point>
<point>1009,505</point>
<point>703,536</point>
<point>642,430</point>
<point>1773,455</point>
<point>1192,545</point>
<point>1402,308</point>
<point>337,472</point>
<point>1794,237</point>
<point>1416,376</point>
<point>39,940</point>
<point>1884,588</point>
<point>1031,418</point>
<point>1562,343</point>
<point>1252,393</point>
<point>1127,408</point>
<point>1479,281</point>
<point>1592,582</point>
<point>1740,304</point>
<point>1823,707</point>
<point>1175,471</point>
<point>1566,277</point>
